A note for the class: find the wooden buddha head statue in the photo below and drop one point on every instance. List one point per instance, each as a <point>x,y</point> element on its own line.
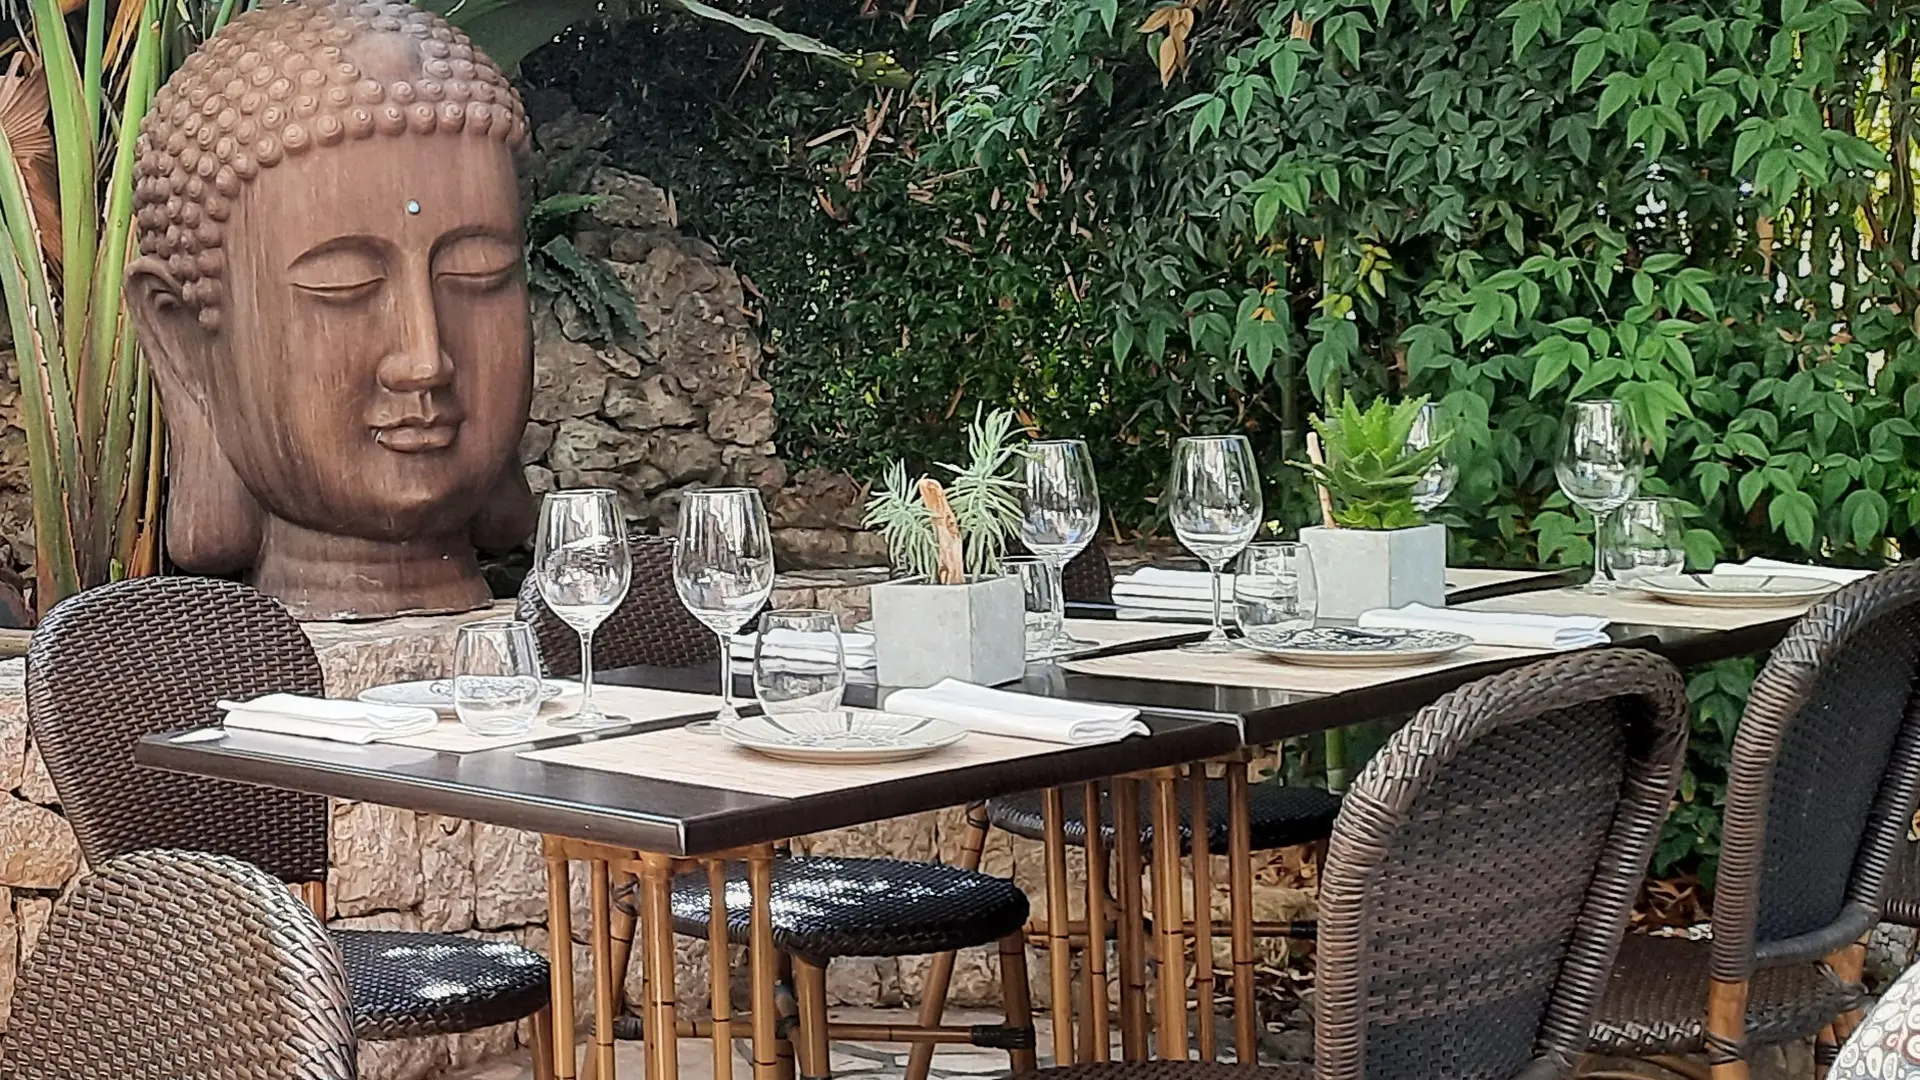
<point>331,293</point>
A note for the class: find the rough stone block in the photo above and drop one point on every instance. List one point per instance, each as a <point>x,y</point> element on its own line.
<point>376,859</point>
<point>510,878</point>
<point>446,872</point>
<point>37,846</point>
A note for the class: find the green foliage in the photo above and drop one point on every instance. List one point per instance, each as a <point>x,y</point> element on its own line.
<point>983,494</point>
<point>556,267</point>
<point>1369,471</point>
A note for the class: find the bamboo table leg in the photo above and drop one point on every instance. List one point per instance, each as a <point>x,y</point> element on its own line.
<point>1059,918</point>
<point>560,960</point>
<point>1133,975</point>
<point>1170,1028</point>
<point>1096,1041</point>
<point>604,978</point>
<point>1202,908</point>
<point>761,962</point>
<point>720,970</point>
<point>1240,907</point>
<point>656,935</point>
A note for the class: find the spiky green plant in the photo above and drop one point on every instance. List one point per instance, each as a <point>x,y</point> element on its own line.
<point>984,495</point>
<point>1369,470</point>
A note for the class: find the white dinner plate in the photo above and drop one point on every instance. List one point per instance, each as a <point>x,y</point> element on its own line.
<point>437,694</point>
<point>1341,646</point>
<point>842,737</point>
<point>1733,590</point>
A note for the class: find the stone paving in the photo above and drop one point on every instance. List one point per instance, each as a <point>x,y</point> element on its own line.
<point>887,1061</point>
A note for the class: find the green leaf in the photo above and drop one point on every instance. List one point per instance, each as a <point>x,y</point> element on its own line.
<point>1122,341</point>
<point>1621,88</point>
<point>1751,141</point>
<point>1587,60</point>
<point>1793,513</point>
<point>1866,514</point>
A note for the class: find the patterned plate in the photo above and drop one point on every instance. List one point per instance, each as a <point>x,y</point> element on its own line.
<point>1344,646</point>
<point>842,737</point>
<point>437,694</point>
<point>1733,590</point>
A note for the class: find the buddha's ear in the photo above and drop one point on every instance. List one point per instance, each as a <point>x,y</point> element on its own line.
<point>213,523</point>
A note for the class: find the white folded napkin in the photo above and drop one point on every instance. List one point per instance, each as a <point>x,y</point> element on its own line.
<point>1775,568</point>
<point>1188,592</point>
<point>326,718</point>
<point>1521,631</point>
<point>1019,716</point>
<point>856,647</point>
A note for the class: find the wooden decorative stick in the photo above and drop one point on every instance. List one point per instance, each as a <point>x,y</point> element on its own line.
<point>950,557</point>
<point>1326,499</point>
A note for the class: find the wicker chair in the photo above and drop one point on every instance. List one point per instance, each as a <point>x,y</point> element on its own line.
<point>1550,780</point>
<point>169,964</point>
<point>827,907</point>
<point>1088,577</point>
<point>148,655</point>
<point>650,627</point>
<point>1824,776</point>
<point>1886,1045</point>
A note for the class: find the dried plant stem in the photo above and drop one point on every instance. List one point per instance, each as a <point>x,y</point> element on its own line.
<point>949,554</point>
<point>1326,498</point>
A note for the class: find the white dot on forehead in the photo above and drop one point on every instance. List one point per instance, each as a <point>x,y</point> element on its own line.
<point>413,206</point>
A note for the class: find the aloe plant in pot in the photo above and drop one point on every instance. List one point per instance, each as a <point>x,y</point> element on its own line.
<point>952,614</point>
<point>1375,549</point>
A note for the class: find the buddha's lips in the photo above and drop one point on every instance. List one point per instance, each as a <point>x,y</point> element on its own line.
<point>419,436</point>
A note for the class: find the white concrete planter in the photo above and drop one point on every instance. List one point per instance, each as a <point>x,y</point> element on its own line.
<point>924,633</point>
<point>1359,570</point>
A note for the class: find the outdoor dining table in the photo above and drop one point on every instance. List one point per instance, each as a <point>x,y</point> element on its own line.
<point>625,820</point>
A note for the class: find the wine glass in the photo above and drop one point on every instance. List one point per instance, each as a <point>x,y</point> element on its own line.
<point>1437,482</point>
<point>723,569</point>
<point>799,664</point>
<point>1274,592</point>
<point>1060,511</point>
<point>1213,501</point>
<point>1645,537</point>
<point>1598,467</point>
<point>496,677</point>
<point>583,567</point>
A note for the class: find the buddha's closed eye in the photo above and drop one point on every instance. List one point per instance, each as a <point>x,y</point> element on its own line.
<point>338,274</point>
<point>477,261</point>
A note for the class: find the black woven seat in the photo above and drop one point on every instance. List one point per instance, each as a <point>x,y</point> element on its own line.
<point>827,907</point>
<point>1281,816</point>
<point>408,984</point>
<point>1903,887</point>
<point>1656,1001</point>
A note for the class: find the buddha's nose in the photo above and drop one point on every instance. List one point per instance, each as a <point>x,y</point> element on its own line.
<point>420,362</point>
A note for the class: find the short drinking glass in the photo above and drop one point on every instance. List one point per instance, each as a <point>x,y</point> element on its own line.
<point>1643,538</point>
<point>723,568</point>
<point>1059,514</point>
<point>1038,585</point>
<point>496,677</point>
<point>1214,503</point>
<point>583,568</point>
<point>799,664</point>
<point>1598,467</point>
<point>1274,592</point>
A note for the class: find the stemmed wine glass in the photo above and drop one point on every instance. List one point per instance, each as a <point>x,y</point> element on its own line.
<point>1060,511</point>
<point>1437,482</point>
<point>1213,500</point>
<point>583,568</point>
<point>723,569</point>
<point>1598,468</point>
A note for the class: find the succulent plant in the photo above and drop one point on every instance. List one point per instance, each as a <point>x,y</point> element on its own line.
<point>1369,470</point>
<point>984,496</point>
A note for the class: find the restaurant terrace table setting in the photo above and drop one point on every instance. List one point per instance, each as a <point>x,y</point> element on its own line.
<point>678,765</point>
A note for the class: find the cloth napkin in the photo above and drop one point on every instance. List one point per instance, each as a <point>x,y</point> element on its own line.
<point>1773,567</point>
<point>1154,589</point>
<point>1521,631</point>
<point>1019,716</point>
<point>794,645</point>
<point>326,718</point>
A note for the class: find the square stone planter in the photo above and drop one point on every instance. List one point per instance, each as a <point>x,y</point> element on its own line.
<point>923,633</point>
<point>1359,570</point>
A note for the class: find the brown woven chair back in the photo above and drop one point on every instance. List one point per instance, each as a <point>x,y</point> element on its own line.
<point>148,655</point>
<point>650,628</point>
<point>1483,867</point>
<point>169,964</point>
<point>1088,577</point>
<point>1823,779</point>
